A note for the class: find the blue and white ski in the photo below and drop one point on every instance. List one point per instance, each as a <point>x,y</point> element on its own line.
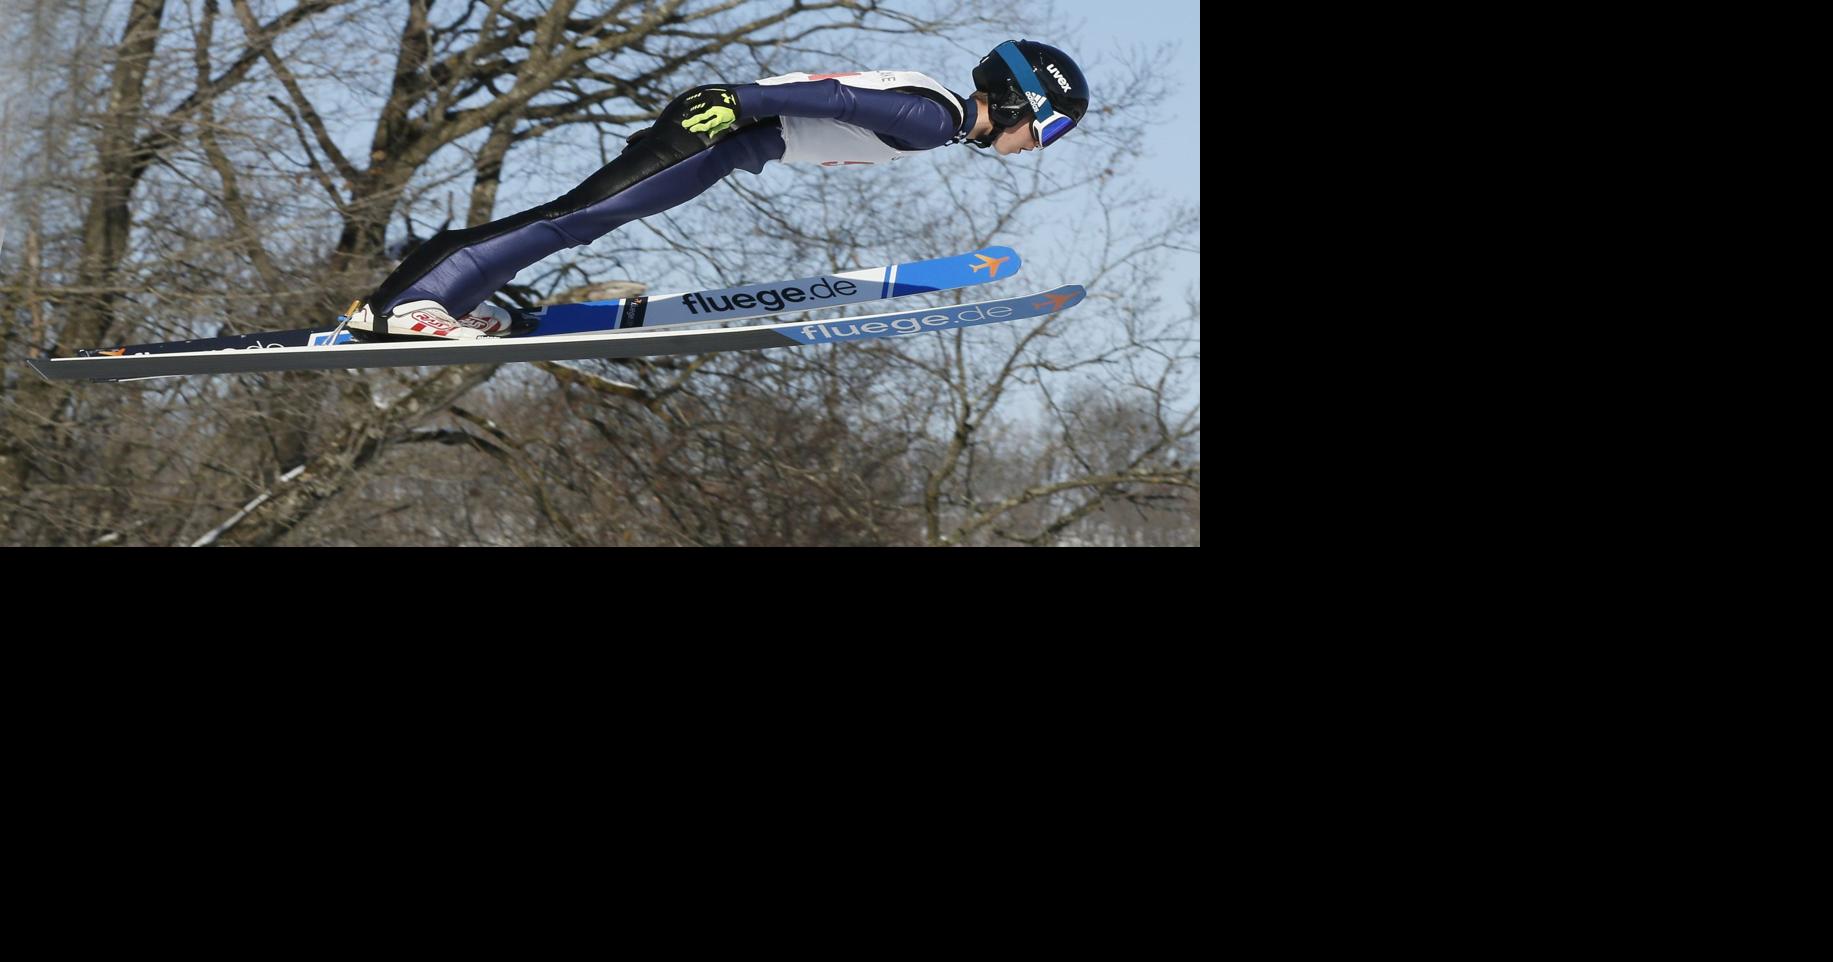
<point>667,310</point>
<point>562,347</point>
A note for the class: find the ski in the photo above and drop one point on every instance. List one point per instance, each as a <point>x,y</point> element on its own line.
<point>561,347</point>
<point>666,310</point>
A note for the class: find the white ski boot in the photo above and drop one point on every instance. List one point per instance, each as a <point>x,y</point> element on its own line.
<point>429,319</point>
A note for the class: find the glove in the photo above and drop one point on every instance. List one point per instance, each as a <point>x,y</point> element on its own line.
<point>710,110</point>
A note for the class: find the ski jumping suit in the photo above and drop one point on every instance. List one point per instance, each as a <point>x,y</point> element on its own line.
<point>828,119</point>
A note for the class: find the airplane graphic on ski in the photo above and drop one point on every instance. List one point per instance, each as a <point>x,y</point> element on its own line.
<point>991,264</point>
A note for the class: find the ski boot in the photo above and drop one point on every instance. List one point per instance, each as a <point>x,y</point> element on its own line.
<point>430,319</point>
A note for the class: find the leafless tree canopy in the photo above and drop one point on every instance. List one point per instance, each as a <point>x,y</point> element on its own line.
<point>183,168</point>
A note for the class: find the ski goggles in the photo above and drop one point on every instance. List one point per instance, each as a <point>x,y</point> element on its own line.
<point>1046,123</point>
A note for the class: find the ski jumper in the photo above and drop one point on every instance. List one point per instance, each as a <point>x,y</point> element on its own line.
<point>828,119</point>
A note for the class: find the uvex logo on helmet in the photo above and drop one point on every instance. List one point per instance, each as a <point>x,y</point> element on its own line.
<point>1062,81</point>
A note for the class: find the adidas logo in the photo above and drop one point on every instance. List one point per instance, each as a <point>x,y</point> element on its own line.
<point>1037,100</point>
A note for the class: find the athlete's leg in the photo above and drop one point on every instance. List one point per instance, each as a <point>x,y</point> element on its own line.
<point>661,168</point>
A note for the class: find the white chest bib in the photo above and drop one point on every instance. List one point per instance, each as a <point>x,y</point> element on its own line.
<point>830,143</point>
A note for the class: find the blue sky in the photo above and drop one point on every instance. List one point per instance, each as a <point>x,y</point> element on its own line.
<point>1172,151</point>
<point>1097,29</point>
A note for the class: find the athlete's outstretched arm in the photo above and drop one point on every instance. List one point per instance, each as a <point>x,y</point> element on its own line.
<point>917,121</point>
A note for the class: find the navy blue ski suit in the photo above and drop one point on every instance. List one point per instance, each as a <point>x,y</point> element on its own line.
<point>662,166</point>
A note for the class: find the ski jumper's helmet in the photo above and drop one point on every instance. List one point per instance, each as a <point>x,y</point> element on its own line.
<point>1027,80</point>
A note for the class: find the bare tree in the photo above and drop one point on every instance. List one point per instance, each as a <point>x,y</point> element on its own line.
<point>243,166</point>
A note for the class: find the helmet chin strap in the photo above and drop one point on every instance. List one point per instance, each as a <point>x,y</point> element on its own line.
<point>986,140</point>
<point>994,132</point>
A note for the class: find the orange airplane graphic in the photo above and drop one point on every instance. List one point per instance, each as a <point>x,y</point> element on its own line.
<point>989,262</point>
<point>1057,301</point>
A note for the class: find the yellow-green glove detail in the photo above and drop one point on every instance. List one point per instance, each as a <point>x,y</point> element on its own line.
<point>710,111</point>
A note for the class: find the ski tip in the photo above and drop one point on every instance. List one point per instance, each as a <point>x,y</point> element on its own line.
<point>992,263</point>
<point>38,364</point>
<point>1067,296</point>
<point>952,272</point>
